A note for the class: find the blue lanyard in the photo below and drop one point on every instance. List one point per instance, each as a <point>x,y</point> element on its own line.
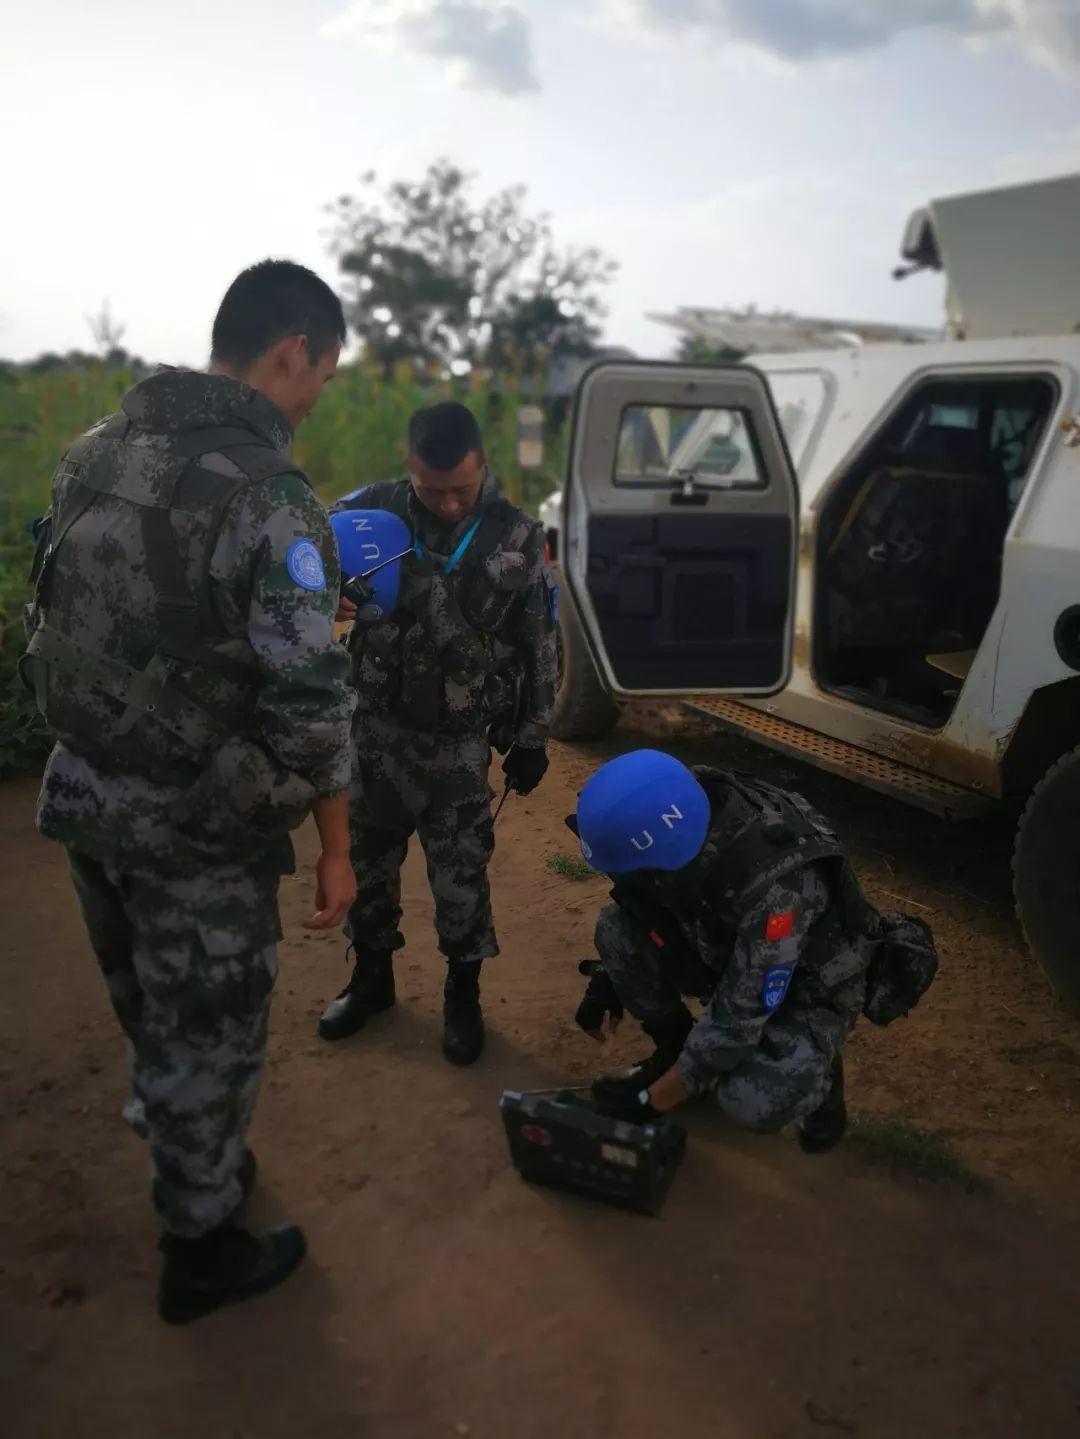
<point>463,544</point>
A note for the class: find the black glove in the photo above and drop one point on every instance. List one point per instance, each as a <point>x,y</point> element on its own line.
<point>524,768</point>
<point>623,1097</point>
<point>601,999</point>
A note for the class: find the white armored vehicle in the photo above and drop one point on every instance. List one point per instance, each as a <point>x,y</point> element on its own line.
<point>876,548</point>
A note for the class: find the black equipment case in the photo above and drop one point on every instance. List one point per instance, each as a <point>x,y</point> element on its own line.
<point>557,1138</point>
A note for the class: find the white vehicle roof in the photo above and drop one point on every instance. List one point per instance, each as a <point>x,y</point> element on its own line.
<point>909,358</point>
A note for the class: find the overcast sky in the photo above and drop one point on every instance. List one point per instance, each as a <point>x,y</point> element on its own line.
<point>723,151</point>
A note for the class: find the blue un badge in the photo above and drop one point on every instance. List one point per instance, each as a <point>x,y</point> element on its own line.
<point>305,566</point>
<point>776,984</point>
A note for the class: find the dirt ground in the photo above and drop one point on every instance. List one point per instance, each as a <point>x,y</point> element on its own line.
<point>777,1297</point>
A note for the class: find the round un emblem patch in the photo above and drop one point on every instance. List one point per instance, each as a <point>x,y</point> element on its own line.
<point>305,566</point>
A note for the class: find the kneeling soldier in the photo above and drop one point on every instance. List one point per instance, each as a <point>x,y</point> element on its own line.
<point>738,894</point>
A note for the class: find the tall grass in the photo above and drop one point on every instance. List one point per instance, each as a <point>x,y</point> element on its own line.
<point>355,437</point>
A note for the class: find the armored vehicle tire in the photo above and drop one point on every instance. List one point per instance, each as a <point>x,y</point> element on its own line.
<point>1046,876</point>
<point>583,707</point>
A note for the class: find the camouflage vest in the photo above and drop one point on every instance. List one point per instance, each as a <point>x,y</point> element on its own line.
<point>758,834</point>
<point>446,660</point>
<point>130,664</point>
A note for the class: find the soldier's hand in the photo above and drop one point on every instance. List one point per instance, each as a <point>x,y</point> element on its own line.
<point>346,611</point>
<point>601,1009</point>
<point>524,768</point>
<point>335,891</point>
<point>623,1097</point>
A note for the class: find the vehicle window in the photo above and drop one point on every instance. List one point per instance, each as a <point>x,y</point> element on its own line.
<point>986,426</point>
<point>799,396</point>
<point>670,445</point>
<point>955,417</point>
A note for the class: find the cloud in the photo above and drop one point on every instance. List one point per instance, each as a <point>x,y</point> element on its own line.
<point>483,44</point>
<point>793,30</point>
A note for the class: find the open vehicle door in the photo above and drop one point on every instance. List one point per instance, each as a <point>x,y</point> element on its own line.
<point>680,529</point>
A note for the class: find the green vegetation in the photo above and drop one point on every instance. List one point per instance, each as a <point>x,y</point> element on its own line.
<point>905,1150</point>
<point>39,415</point>
<point>355,436</point>
<point>569,866</point>
<point>436,276</point>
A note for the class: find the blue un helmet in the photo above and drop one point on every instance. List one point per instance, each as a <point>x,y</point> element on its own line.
<point>371,544</point>
<point>643,810</point>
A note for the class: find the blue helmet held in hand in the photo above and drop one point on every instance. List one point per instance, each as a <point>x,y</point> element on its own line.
<point>644,810</point>
<point>371,544</point>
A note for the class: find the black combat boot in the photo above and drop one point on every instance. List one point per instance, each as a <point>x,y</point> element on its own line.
<point>223,1267</point>
<point>369,991</point>
<point>463,1022</point>
<point>823,1130</point>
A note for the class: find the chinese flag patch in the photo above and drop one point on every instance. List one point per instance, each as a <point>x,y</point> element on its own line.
<point>779,926</point>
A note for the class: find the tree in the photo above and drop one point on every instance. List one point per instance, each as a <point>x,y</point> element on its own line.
<point>106,331</point>
<point>434,276</point>
<point>695,350</point>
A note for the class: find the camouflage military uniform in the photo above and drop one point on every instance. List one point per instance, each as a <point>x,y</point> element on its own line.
<point>181,646</point>
<point>468,657</point>
<point>766,927</point>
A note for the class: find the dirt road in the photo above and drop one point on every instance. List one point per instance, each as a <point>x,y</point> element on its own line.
<point>778,1297</point>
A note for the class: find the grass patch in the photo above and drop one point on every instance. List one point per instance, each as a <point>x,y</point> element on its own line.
<point>569,866</point>
<point>912,1153</point>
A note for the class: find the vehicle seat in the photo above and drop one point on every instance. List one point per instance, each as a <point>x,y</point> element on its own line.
<point>916,563</point>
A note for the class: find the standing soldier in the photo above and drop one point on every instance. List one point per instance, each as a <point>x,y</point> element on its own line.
<point>181,648</point>
<point>740,895</point>
<point>467,661</point>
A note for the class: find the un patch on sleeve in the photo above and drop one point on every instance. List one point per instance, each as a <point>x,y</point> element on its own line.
<point>776,984</point>
<point>305,566</point>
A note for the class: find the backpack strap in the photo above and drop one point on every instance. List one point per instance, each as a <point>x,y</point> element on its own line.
<point>185,616</point>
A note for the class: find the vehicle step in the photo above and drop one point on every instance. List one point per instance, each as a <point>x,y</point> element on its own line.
<point>838,757</point>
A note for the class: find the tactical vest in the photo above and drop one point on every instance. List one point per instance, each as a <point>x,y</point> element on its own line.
<point>130,663</point>
<point>854,958</point>
<point>757,835</point>
<point>760,832</point>
<point>445,661</point>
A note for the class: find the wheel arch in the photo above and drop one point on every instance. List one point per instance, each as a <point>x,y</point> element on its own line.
<point>1048,728</point>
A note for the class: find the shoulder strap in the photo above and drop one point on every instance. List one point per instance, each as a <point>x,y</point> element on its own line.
<point>493,520</point>
<point>186,620</point>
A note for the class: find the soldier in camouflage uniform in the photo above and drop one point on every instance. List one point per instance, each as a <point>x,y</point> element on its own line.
<point>739,895</point>
<point>467,661</point>
<point>181,648</point>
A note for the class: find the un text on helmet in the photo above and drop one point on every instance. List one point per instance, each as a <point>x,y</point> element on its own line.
<point>668,817</point>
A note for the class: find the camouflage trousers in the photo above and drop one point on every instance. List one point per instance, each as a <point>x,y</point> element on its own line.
<point>785,1077</point>
<point>435,786</point>
<point>189,963</point>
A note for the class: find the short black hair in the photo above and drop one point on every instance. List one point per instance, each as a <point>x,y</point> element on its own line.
<point>269,302</point>
<point>442,435</point>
